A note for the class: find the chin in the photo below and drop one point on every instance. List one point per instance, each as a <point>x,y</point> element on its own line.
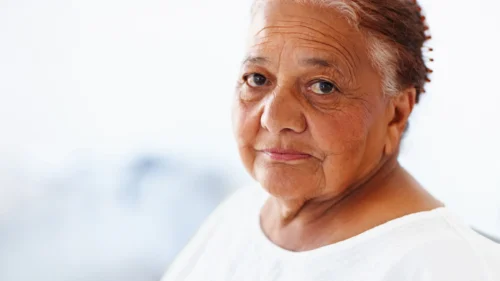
<point>286,183</point>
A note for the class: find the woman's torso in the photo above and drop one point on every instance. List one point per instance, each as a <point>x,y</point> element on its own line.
<point>423,246</point>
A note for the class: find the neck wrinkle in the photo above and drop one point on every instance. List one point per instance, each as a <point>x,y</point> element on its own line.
<point>313,210</point>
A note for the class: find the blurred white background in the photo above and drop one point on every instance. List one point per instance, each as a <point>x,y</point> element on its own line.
<point>115,132</point>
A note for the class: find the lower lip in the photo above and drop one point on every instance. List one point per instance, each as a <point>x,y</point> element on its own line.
<point>286,157</point>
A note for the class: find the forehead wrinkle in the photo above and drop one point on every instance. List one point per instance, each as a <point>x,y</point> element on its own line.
<point>303,25</point>
<point>266,36</point>
<point>338,48</point>
<point>325,34</point>
<point>259,44</point>
<point>353,59</point>
<point>331,49</point>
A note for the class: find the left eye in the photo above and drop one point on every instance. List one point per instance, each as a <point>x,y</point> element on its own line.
<point>323,88</point>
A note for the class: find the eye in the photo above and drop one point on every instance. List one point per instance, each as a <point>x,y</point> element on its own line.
<point>256,80</point>
<point>323,87</point>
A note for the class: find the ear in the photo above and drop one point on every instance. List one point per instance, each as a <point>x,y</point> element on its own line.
<point>398,112</point>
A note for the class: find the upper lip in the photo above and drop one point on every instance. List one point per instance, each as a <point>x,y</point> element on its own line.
<point>283,151</point>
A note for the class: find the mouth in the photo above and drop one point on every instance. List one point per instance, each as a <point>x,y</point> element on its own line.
<point>278,154</point>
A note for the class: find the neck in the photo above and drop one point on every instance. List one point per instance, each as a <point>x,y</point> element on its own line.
<point>389,192</point>
<point>313,209</point>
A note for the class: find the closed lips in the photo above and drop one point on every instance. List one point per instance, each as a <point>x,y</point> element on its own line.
<point>285,154</point>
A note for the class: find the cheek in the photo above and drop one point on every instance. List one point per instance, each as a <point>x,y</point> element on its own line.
<point>342,132</point>
<point>246,122</point>
<point>343,137</point>
<point>351,143</point>
<point>246,125</point>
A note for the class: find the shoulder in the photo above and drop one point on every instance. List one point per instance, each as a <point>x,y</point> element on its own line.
<point>241,204</point>
<point>238,208</point>
<point>245,201</point>
<point>452,252</point>
<point>248,195</point>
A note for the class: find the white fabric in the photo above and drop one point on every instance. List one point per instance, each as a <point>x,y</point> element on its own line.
<point>426,246</point>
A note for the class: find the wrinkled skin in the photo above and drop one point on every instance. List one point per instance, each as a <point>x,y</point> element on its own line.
<point>308,88</point>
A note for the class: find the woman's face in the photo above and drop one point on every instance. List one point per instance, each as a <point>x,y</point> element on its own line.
<point>310,117</point>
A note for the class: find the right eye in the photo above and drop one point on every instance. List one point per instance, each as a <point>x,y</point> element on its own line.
<point>256,80</point>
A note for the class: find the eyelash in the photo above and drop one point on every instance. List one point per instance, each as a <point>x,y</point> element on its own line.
<point>309,84</point>
<point>245,78</point>
<point>323,80</point>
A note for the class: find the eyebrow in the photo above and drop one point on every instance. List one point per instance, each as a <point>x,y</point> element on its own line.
<point>318,62</point>
<point>314,62</point>
<point>256,60</point>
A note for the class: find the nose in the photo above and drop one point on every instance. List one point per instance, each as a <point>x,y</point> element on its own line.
<point>283,112</point>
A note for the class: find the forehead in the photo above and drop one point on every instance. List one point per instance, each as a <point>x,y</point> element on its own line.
<point>292,29</point>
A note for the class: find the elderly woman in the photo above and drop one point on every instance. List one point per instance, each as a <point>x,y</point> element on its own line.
<point>321,106</point>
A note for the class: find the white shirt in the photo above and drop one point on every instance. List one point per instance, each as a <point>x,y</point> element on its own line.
<point>426,246</point>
